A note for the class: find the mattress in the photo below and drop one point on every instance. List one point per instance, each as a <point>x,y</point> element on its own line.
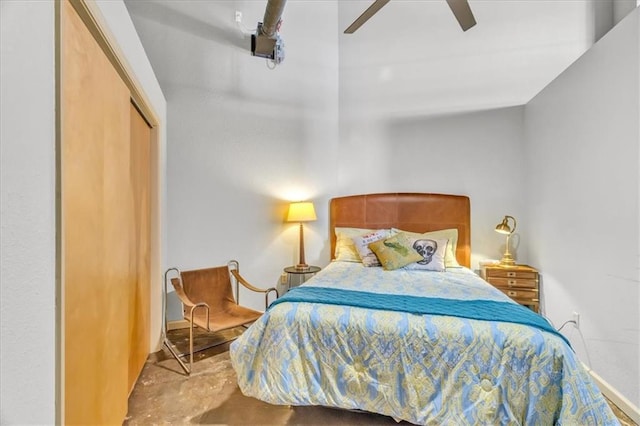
<point>419,367</point>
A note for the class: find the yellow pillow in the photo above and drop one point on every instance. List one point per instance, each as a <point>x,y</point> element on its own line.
<point>395,252</point>
<point>450,260</point>
<point>345,248</point>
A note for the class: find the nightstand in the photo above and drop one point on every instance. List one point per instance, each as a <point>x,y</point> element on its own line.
<point>301,275</point>
<point>519,282</point>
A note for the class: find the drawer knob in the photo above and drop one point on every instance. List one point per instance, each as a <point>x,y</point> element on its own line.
<point>512,293</point>
<point>511,274</point>
<point>511,282</point>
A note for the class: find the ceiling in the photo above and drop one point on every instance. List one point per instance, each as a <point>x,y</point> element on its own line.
<point>411,57</point>
<point>417,59</point>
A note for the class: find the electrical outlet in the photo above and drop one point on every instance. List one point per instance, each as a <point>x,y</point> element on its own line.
<point>284,278</point>
<point>576,319</point>
<point>238,16</point>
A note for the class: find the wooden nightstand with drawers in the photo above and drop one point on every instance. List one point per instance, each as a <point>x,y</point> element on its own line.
<point>519,282</point>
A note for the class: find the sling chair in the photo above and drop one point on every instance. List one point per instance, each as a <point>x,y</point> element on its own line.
<point>208,302</point>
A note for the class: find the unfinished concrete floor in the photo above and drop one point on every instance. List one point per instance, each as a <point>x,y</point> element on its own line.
<point>164,395</point>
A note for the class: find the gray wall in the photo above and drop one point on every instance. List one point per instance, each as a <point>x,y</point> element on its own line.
<point>28,229</point>
<point>583,174</point>
<point>244,140</point>
<point>28,302</point>
<point>479,154</point>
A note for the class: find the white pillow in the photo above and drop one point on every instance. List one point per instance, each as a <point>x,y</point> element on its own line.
<point>450,260</point>
<point>432,252</point>
<point>361,242</point>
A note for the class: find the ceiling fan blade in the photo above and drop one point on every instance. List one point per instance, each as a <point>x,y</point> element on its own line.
<point>462,12</point>
<point>375,7</point>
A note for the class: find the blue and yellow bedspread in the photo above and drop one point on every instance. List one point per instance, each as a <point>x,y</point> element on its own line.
<point>423,368</point>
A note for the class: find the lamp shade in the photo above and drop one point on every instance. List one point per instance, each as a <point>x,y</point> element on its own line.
<point>504,227</point>
<point>301,212</point>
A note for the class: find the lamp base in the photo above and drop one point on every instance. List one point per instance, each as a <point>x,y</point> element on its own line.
<point>302,266</point>
<point>507,261</point>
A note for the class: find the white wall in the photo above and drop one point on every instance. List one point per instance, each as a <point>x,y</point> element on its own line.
<point>582,195</point>
<point>244,139</point>
<point>622,8</point>
<point>607,14</point>
<point>479,154</point>
<point>28,228</point>
<point>27,206</point>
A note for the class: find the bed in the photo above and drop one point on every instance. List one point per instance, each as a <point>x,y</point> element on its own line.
<point>426,346</point>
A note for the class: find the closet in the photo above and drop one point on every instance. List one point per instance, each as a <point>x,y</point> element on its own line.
<point>106,192</point>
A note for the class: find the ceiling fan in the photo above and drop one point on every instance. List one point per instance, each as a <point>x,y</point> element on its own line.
<point>460,9</point>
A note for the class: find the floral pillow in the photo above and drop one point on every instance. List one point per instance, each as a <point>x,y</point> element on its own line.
<point>395,252</point>
<point>432,252</point>
<point>362,242</point>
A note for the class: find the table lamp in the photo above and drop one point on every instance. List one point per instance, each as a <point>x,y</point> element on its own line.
<point>301,212</point>
<point>504,228</point>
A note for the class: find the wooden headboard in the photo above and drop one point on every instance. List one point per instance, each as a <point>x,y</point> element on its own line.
<point>413,212</point>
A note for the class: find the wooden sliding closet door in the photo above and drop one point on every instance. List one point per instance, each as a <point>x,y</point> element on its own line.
<point>105,231</point>
<point>140,148</point>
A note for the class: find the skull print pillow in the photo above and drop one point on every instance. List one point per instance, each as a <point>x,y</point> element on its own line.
<point>432,252</point>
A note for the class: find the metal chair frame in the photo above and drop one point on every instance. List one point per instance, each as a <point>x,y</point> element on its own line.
<point>234,275</point>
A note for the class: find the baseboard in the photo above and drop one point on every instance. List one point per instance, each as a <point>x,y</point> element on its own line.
<point>177,324</point>
<point>610,392</point>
